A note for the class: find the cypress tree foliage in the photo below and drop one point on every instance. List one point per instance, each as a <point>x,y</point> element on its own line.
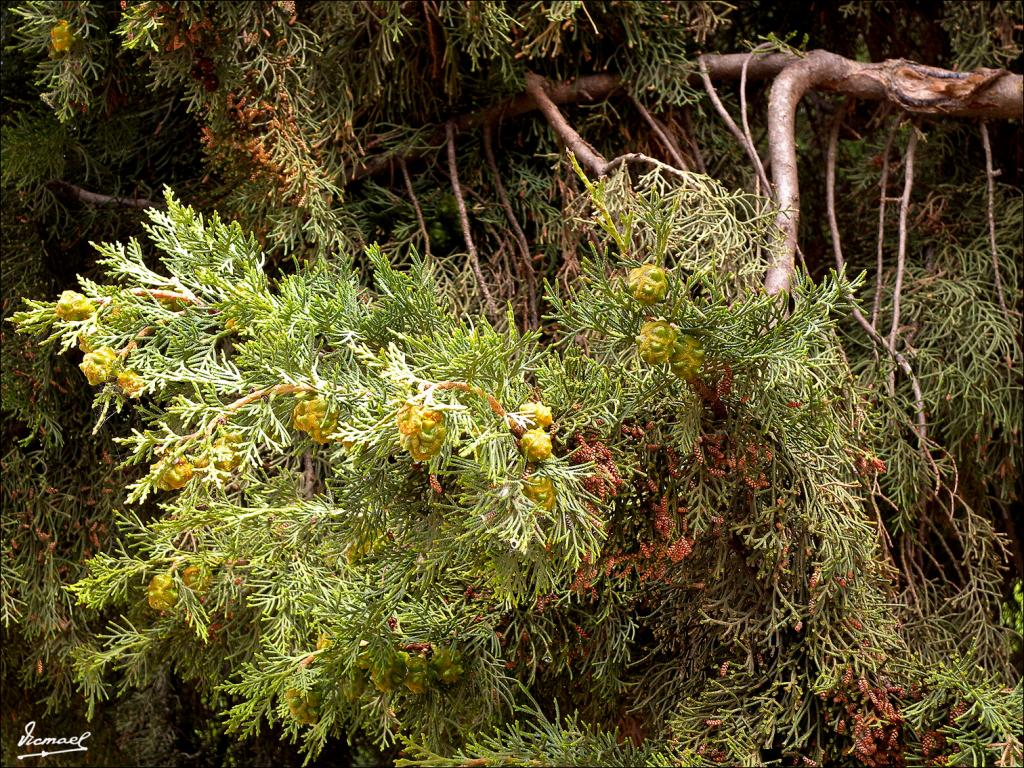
<point>415,437</point>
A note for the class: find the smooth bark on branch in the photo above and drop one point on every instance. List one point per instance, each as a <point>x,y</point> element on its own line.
<point>587,156</point>
<point>96,198</point>
<point>1000,98</point>
<point>913,87</point>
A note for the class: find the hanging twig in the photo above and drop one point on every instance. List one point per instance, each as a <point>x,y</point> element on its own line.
<point>661,133</point>
<point>746,143</point>
<point>990,176</point>
<point>416,206</point>
<point>746,125</point>
<point>883,533</point>
<point>901,253</point>
<point>474,260</point>
<point>533,321</point>
<point>837,248</point>
<point>170,108</point>
<point>883,185</point>
<point>237,405</point>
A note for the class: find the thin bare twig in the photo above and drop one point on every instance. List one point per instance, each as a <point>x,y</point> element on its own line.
<point>415,205</point>
<point>474,260</point>
<point>95,198</point>
<point>170,108</point>
<point>883,532</point>
<point>901,253</point>
<point>156,293</point>
<point>990,177</point>
<point>671,138</point>
<point>661,133</point>
<point>492,402</point>
<point>837,248</point>
<point>883,184</point>
<point>746,125</point>
<point>533,321</point>
<point>908,555</point>
<point>746,143</point>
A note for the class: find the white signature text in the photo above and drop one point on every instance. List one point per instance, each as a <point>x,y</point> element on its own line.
<point>69,743</point>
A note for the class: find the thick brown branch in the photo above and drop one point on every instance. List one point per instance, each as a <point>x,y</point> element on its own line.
<point>913,87</point>
<point>588,157</point>
<point>587,88</point>
<point>787,90</point>
<point>95,198</point>
<point>995,94</point>
<point>989,93</point>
